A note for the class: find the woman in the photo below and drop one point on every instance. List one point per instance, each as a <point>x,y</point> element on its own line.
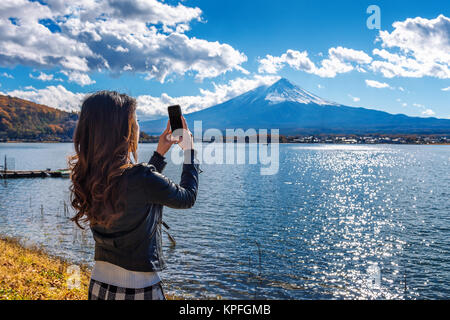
<point>122,202</point>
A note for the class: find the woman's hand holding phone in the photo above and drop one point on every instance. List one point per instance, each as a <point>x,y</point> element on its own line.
<point>165,142</point>
<point>186,141</point>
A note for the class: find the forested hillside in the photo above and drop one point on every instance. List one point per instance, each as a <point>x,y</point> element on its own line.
<point>24,120</point>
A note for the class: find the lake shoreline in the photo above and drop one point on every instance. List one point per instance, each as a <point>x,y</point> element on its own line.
<point>31,273</point>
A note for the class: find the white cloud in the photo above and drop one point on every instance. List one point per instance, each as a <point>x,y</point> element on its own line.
<point>118,48</point>
<point>151,11</point>
<point>6,75</point>
<point>446,89</point>
<point>360,69</point>
<point>320,86</point>
<point>422,48</point>
<point>340,60</point>
<point>29,42</point>
<point>295,59</point>
<point>417,47</point>
<point>44,77</point>
<point>425,111</point>
<point>109,35</point>
<point>52,96</point>
<point>349,55</point>
<point>376,84</point>
<point>148,106</point>
<point>331,67</point>
<point>355,99</point>
<point>428,113</point>
<point>78,77</point>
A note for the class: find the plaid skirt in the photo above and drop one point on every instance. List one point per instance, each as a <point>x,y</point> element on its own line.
<point>102,291</point>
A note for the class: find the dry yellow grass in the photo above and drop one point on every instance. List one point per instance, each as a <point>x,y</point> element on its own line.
<point>31,274</point>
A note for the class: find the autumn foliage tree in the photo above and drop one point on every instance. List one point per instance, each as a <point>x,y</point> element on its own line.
<point>24,120</point>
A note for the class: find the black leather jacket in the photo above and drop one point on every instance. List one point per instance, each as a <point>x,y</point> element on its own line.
<point>134,242</point>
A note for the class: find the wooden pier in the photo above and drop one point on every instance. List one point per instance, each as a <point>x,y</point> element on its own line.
<point>16,174</point>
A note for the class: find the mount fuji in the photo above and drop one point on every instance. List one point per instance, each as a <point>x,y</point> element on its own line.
<point>285,106</point>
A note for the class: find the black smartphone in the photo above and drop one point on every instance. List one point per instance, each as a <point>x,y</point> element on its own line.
<point>175,119</point>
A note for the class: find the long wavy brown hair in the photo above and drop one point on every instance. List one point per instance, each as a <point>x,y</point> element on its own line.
<point>105,137</point>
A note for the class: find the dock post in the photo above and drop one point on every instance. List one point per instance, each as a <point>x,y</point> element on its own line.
<point>4,169</point>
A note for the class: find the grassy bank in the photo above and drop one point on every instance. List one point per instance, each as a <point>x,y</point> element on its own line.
<point>31,274</point>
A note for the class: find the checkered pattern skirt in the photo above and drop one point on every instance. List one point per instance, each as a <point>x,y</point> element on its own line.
<point>102,291</point>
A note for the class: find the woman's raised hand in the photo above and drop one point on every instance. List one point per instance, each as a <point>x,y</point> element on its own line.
<point>165,142</point>
<point>186,141</point>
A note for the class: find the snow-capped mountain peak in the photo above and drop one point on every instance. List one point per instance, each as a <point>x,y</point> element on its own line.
<point>284,90</point>
<point>292,110</point>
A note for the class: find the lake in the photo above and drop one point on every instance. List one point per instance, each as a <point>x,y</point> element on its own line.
<point>336,222</point>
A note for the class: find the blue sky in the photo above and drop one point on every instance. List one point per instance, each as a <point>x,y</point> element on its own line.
<point>199,53</point>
